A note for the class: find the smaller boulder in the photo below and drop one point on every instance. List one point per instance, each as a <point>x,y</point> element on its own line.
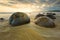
<point>51,15</point>
<point>45,22</point>
<point>39,15</point>
<point>2,19</point>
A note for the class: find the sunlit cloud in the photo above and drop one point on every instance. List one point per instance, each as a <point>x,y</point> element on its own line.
<point>28,5</point>
<point>20,8</point>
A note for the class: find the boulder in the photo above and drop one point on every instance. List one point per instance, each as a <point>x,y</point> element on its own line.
<point>51,15</point>
<point>45,22</point>
<point>2,19</point>
<point>19,18</point>
<point>39,15</point>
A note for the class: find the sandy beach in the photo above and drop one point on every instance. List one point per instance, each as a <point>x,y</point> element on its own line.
<point>29,31</point>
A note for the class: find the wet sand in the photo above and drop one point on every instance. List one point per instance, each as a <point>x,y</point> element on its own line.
<point>24,32</point>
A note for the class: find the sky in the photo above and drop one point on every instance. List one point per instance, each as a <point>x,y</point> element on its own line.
<point>28,5</point>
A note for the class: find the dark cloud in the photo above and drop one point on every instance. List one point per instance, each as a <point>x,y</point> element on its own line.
<point>12,2</point>
<point>5,4</point>
<point>24,1</point>
<point>55,2</point>
<point>52,8</point>
<point>58,3</point>
<point>50,2</point>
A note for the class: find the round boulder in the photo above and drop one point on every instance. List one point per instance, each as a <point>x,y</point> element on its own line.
<point>19,18</point>
<point>2,19</point>
<point>39,15</point>
<point>45,22</point>
<point>51,15</point>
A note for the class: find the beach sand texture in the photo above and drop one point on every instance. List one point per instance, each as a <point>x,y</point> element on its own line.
<point>29,31</point>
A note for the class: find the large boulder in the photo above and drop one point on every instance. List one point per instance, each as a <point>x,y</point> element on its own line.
<point>18,18</point>
<point>45,22</point>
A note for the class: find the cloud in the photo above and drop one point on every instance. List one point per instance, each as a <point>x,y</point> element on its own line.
<point>38,4</point>
<point>49,2</point>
